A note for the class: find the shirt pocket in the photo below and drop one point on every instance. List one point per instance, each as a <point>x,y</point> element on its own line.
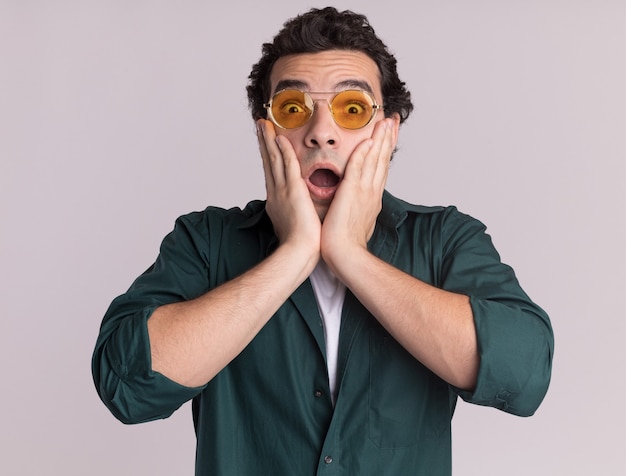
<point>407,402</point>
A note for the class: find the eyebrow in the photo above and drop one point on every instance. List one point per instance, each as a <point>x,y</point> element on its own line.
<point>347,84</point>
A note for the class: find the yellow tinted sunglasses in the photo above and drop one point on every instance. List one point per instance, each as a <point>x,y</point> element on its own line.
<point>351,108</point>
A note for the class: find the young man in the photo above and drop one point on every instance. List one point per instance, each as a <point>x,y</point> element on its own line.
<point>331,328</point>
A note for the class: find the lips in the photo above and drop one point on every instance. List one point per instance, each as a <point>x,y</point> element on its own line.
<point>322,183</point>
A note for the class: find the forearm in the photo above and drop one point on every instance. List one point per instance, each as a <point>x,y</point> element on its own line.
<point>434,325</point>
<point>192,341</point>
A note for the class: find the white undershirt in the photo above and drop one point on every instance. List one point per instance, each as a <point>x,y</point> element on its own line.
<point>330,294</point>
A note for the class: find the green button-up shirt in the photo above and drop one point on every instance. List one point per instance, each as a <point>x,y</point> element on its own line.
<point>269,412</point>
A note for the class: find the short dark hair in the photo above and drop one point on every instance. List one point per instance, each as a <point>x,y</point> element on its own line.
<point>322,30</point>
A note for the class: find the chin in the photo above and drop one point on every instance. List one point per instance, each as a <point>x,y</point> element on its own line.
<point>321,212</point>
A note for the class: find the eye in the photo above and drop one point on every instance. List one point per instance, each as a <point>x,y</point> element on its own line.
<point>355,108</point>
<point>292,108</point>
<point>352,104</point>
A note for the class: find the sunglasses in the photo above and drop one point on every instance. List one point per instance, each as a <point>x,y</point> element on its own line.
<point>351,109</point>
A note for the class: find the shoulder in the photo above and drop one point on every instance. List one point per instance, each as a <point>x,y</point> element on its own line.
<point>445,216</point>
<point>212,216</point>
<point>251,210</point>
<point>216,225</point>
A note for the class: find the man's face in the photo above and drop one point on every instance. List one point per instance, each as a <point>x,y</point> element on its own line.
<point>322,146</point>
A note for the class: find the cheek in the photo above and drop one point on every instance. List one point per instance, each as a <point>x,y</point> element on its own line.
<point>295,141</point>
<point>292,135</point>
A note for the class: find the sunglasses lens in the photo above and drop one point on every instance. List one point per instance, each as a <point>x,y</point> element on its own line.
<point>291,108</point>
<point>352,109</point>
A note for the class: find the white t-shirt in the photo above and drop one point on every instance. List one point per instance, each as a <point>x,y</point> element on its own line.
<point>330,294</point>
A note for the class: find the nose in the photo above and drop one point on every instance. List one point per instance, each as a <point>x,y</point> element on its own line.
<point>322,130</point>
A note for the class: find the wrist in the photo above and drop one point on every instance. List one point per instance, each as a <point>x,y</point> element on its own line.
<point>344,259</point>
<point>301,255</point>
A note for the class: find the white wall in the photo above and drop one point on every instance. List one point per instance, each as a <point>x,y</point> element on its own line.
<point>118,116</point>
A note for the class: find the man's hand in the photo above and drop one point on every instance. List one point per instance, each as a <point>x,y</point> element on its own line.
<point>289,203</point>
<point>351,218</point>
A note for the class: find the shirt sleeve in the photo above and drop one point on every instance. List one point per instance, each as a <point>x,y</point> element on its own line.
<point>121,362</point>
<point>515,337</point>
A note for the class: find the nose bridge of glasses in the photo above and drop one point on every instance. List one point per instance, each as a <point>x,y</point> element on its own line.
<point>311,101</point>
<point>312,98</point>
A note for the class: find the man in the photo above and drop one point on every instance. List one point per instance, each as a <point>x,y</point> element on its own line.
<point>331,328</point>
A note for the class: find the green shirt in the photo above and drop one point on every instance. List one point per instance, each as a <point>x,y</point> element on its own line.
<point>269,412</point>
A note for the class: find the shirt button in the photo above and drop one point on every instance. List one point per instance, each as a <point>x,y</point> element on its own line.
<point>328,459</point>
<point>318,393</point>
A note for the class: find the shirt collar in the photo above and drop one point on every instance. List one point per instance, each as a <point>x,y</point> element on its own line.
<point>392,215</point>
<point>395,210</point>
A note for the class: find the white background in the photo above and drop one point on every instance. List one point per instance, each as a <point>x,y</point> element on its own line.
<point>118,116</point>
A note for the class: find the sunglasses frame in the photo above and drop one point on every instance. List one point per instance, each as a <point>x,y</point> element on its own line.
<point>307,96</point>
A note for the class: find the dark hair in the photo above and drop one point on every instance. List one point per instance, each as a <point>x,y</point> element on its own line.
<point>322,30</point>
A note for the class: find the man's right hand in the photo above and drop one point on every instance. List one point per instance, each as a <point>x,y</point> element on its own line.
<point>289,203</point>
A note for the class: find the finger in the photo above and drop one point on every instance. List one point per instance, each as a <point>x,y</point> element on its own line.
<point>375,158</point>
<point>375,154</point>
<point>388,145</point>
<point>356,162</point>
<point>291,164</point>
<point>267,170</point>
<point>274,157</point>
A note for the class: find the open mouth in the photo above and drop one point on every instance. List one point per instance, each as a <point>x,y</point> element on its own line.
<point>324,178</point>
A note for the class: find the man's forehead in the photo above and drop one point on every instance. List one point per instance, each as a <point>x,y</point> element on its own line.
<point>326,71</point>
